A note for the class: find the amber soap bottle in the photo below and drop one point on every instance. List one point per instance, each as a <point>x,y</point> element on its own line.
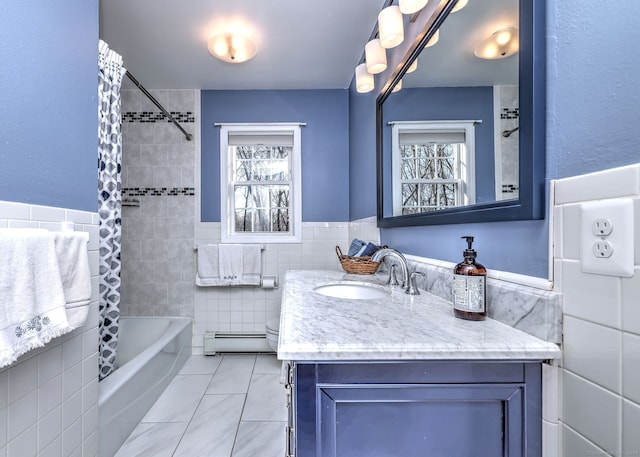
<point>470,286</point>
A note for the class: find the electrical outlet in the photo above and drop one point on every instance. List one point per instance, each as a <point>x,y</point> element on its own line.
<point>602,227</point>
<point>606,237</point>
<point>602,249</point>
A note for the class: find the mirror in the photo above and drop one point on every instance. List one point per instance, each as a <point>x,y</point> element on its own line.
<point>461,138</point>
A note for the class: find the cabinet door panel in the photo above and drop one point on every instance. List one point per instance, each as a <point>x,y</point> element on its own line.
<point>443,420</point>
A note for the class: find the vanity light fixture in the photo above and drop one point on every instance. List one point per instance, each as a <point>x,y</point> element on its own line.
<point>376,56</point>
<point>461,4</point>
<point>364,79</point>
<point>390,27</point>
<point>413,67</point>
<point>397,87</point>
<point>232,47</point>
<point>433,40</point>
<point>412,6</point>
<point>502,43</point>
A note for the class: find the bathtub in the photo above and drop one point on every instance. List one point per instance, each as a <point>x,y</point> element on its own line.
<point>151,350</point>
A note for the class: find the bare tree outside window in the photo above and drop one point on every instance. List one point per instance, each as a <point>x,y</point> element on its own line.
<point>261,188</point>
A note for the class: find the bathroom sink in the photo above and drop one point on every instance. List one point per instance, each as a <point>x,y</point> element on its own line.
<point>352,290</point>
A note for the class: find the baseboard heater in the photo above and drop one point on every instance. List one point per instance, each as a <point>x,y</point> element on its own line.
<point>215,342</point>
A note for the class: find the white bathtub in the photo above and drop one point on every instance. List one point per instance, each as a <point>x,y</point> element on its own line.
<point>151,350</point>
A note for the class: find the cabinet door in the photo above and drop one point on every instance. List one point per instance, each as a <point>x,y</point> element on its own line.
<point>408,420</point>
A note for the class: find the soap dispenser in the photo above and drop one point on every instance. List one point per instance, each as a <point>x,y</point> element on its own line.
<point>470,286</point>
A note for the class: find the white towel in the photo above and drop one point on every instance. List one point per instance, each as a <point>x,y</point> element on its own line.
<point>73,262</point>
<point>31,294</point>
<point>216,269</point>
<point>231,263</point>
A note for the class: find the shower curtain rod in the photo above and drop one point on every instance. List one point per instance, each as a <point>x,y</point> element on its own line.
<point>188,136</point>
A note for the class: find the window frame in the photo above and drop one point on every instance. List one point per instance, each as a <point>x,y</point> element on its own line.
<point>467,184</point>
<point>227,204</point>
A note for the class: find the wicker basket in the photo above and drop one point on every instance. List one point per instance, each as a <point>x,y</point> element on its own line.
<point>357,265</point>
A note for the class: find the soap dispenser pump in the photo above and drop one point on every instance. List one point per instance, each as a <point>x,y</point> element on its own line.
<point>470,286</point>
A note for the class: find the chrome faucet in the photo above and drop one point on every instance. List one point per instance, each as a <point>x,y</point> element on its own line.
<point>404,267</point>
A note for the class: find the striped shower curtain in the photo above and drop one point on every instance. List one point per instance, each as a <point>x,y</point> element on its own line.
<point>110,73</point>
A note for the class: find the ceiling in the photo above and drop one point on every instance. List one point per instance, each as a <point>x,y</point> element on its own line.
<point>451,61</point>
<point>301,44</point>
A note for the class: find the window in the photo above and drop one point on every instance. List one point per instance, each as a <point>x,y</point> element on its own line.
<point>260,183</point>
<point>433,165</point>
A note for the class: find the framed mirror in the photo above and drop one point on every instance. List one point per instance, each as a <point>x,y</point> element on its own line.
<point>460,138</point>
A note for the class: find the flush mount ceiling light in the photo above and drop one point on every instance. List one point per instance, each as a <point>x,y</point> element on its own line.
<point>232,47</point>
<point>461,4</point>
<point>364,79</point>
<point>412,6</point>
<point>502,43</point>
<point>376,57</point>
<point>390,28</point>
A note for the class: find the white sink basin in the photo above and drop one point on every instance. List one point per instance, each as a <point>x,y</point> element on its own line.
<point>353,290</point>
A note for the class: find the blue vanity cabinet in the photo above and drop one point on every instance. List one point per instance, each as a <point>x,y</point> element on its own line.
<point>425,408</point>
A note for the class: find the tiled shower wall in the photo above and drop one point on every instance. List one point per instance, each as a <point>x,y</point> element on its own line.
<point>600,407</point>
<point>158,175</point>
<point>49,397</point>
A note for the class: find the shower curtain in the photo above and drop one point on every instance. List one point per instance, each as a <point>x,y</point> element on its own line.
<point>110,73</point>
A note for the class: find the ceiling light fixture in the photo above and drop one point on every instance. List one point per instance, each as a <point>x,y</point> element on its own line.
<point>376,57</point>
<point>364,79</point>
<point>232,47</point>
<point>502,43</point>
<point>390,28</point>
<point>461,4</point>
<point>412,6</point>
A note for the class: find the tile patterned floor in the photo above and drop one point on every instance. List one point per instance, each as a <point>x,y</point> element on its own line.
<point>230,405</point>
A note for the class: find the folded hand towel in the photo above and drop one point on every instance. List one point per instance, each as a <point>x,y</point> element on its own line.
<point>73,262</point>
<point>31,293</point>
<point>356,245</point>
<point>231,263</point>
<point>208,261</point>
<point>252,264</point>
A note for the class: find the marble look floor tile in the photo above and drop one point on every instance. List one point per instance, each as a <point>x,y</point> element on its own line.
<point>201,364</point>
<point>212,430</point>
<point>267,363</point>
<point>180,399</point>
<point>158,440</point>
<point>266,399</point>
<point>233,376</point>
<point>264,439</point>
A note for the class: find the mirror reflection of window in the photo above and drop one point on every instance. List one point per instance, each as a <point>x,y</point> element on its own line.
<point>433,165</point>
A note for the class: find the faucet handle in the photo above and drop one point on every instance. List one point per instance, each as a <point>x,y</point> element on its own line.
<point>412,289</point>
<point>393,278</point>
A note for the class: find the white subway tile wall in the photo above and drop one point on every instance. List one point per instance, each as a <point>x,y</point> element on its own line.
<point>600,401</point>
<point>49,397</point>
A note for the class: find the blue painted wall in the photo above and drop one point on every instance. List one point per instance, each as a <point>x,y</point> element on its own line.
<point>593,96</point>
<point>325,144</point>
<point>49,110</point>
<point>362,147</point>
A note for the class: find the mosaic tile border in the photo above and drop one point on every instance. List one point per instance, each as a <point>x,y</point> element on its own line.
<point>510,113</point>
<point>152,117</point>
<point>157,191</point>
<point>510,188</point>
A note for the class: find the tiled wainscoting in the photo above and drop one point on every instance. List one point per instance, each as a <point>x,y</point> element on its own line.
<point>600,407</point>
<point>49,397</point>
<point>246,309</point>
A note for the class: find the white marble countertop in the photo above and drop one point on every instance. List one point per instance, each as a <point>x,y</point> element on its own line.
<point>315,327</point>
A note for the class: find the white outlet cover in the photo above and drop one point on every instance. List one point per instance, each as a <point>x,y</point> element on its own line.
<point>620,212</point>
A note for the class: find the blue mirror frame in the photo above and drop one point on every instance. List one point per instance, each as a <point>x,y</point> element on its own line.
<point>532,76</point>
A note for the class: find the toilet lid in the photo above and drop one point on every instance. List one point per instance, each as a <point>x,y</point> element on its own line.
<point>272,325</point>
